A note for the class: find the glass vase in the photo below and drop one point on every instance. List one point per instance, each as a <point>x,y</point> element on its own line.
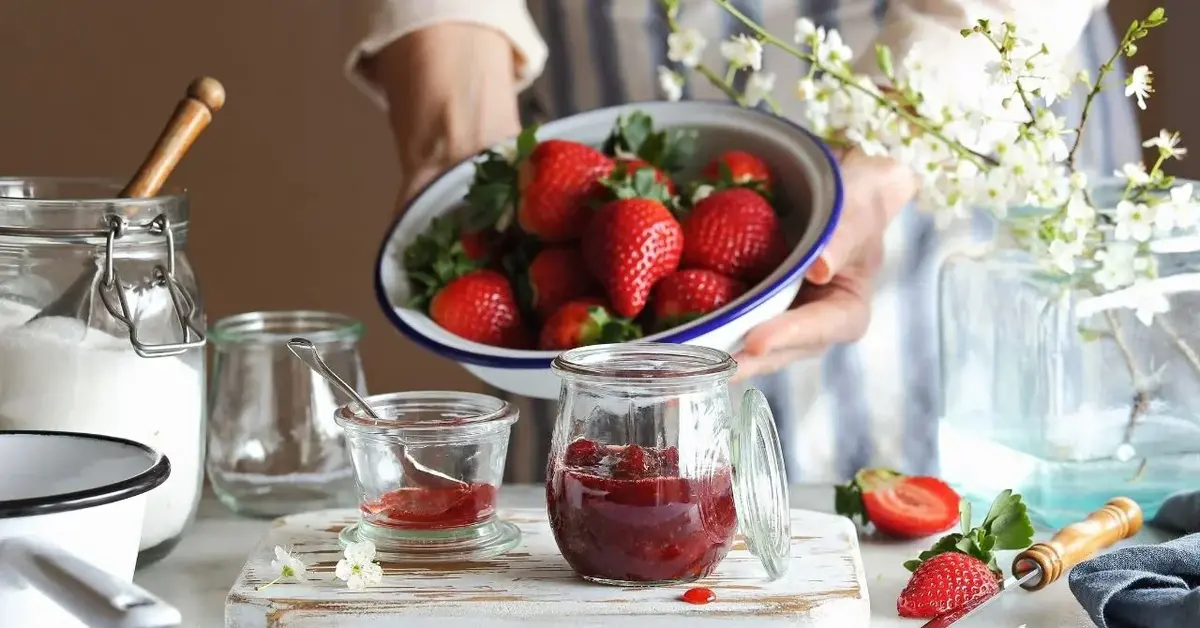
<point>1061,391</point>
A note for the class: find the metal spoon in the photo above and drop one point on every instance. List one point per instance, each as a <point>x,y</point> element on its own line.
<point>419,473</point>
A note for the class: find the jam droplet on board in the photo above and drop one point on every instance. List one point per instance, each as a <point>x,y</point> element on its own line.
<point>699,595</point>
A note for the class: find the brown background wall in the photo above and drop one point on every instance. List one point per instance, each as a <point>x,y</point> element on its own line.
<point>293,185</point>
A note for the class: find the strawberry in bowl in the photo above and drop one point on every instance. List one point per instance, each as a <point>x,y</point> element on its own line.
<point>686,222</point>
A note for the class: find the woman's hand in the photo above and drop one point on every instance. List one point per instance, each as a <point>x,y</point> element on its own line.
<point>834,304</point>
<point>451,91</point>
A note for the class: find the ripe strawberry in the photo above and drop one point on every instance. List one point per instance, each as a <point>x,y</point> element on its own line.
<point>584,322</point>
<point>555,276</point>
<point>583,452</point>
<point>900,506</point>
<point>556,182</point>
<point>686,295</point>
<point>479,306</point>
<point>738,168</point>
<point>944,583</point>
<point>631,464</point>
<point>633,164</point>
<point>476,245</point>
<point>734,232</point>
<point>443,253</point>
<point>629,245</point>
<point>549,183</point>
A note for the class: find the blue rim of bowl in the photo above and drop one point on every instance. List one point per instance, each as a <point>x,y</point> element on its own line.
<point>684,335</point>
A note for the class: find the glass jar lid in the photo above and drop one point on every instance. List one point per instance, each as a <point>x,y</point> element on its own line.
<point>760,489</point>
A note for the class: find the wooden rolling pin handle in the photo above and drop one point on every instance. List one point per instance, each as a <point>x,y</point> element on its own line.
<point>1119,519</point>
<point>205,96</point>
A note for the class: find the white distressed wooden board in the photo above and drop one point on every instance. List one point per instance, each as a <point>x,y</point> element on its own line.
<point>532,585</point>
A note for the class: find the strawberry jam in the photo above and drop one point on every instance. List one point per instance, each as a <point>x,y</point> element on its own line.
<point>433,508</point>
<point>624,514</point>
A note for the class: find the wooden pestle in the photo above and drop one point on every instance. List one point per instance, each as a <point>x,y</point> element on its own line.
<point>205,96</point>
<point>1119,519</point>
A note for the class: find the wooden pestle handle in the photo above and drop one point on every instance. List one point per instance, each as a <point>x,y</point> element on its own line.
<point>205,96</point>
<point>1119,519</point>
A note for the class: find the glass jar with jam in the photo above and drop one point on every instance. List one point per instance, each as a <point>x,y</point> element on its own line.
<point>652,474</point>
<point>428,469</point>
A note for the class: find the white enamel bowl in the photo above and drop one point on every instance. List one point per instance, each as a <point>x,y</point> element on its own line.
<point>71,509</point>
<point>808,188</point>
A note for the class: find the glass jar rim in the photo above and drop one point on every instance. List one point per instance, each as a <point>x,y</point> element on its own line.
<point>82,208</point>
<point>449,411</point>
<point>659,362</point>
<point>279,326</point>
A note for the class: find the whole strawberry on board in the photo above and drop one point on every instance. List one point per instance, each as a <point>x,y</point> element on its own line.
<point>686,295</point>
<point>633,242</point>
<point>739,168</point>
<point>734,232</point>
<point>547,186</point>
<point>585,322</point>
<point>898,505</point>
<point>479,306</point>
<point>960,569</point>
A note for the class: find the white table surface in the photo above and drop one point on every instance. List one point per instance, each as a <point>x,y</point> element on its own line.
<point>201,570</point>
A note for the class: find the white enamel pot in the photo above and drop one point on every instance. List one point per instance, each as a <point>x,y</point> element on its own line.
<point>71,508</point>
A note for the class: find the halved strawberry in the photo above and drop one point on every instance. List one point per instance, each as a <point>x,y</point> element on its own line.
<point>688,294</point>
<point>738,168</point>
<point>585,322</point>
<point>479,306</point>
<point>898,505</point>
<point>945,583</point>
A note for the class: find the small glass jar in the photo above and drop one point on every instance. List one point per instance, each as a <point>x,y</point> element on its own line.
<point>273,445</point>
<point>651,474</point>
<point>428,473</point>
<point>102,329</point>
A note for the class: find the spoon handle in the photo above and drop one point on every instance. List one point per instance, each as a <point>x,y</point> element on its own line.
<point>205,96</point>
<point>304,349</point>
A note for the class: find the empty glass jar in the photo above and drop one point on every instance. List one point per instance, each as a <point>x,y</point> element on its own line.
<point>651,473</point>
<point>428,472</point>
<point>273,446</point>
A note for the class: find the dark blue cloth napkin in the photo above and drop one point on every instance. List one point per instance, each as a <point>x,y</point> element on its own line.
<point>1147,586</point>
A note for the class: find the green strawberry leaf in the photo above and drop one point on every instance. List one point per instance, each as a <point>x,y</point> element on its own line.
<point>1005,527</point>
<point>603,328</point>
<point>847,501</point>
<point>515,265</point>
<point>668,150</point>
<point>493,194</point>
<point>641,182</point>
<point>435,258</point>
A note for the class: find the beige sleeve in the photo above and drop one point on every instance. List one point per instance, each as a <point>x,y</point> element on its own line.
<point>936,26</point>
<point>385,21</point>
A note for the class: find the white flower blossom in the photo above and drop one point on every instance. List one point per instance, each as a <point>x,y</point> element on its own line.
<point>1167,144</point>
<point>1118,266</point>
<point>1079,180</point>
<point>1139,84</point>
<point>1064,253</point>
<point>1147,302</point>
<point>701,192</point>
<point>1184,209</point>
<point>758,87</point>
<point>833,52</point>
<point>808,33</point>
<point>1134,173</point>
<point>1081,217</point>
<point>286,566</point>
<point>743,52</point>
<point>686,47</point>
<point>1052,128</point>
<point>358,568</point>
<point>670,83</point>
<point>1135,221</point>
